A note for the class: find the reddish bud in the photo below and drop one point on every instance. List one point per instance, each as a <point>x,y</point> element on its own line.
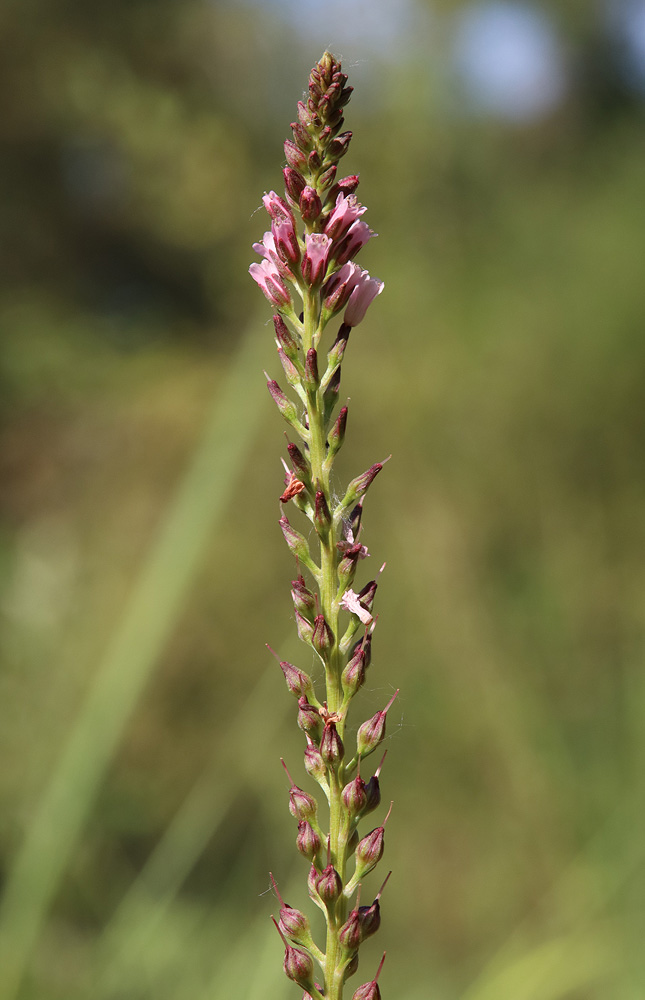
<point>285,338</point>
<point>298,682</point>
<point>370,916</point>
<point>339,145</point>
<point>309,719</point>
<point>329,886</point>
<point>301,136</point>
<point>354,797</point>
<point>322,517</point>
<point>369,850</point>
<point>314,764</point>
<point>297,543</point>
<point>371,733</point>
<point>359,486</point>
<point>336,435</point>
<point>332,750</point>
<point>310,204</point>
<point>298,963</point>
<point>323,638</point>
<point>294,183</point>
<point>301,804</point>
<point>294,156</point>
<point>284,404</point>
<point>370,991</point>
<point>293,923</point>
<point>311,379</point>
<point>350,933</point>
<point>304,627</point>
<point>308,842</point>
<point>303,600</point>
<point>373,789</point>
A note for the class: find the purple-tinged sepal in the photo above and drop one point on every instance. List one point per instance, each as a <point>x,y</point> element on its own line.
<point>308,840</point>
<point>332,750</point>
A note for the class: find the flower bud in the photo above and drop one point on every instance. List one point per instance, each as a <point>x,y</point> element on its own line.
<point>354,797</point>
<point>370,916</point>
<point>285,338</point>
<point>301,804</point>
<point>329,885</point>
<point>294,183</point>
<point>308,842</point>
<point>297,543</point>
<point>304,627</point>
<point>309,719</point>
<point>330,396</point>
<point>298,682</point>
<point>303,600</point>
<point>298,963</point>
<point>314,764</point>
<point>294,156</point>
<point>290,369</point>
<point>338,146</point>
<point>301,136</point>
<point>293,923</point>
<point>313,161</point>
<point>314,262</point>
<point>350,933</point>
<point>353,676</point>
<point>336,435</point>
<point>311,379</point>
<point>322,638</point>
<point>310,204</point>
<point>370,991</point>
<point>369,852</point>
<point>332,750</point>
<point>371,733</point>
<point>322,516</point>
<point>300,464</point>
<point>373,789</point>
<point>359,486</point>
<point>351,967</point>
<point>284,404</point>
<point>327,178</point>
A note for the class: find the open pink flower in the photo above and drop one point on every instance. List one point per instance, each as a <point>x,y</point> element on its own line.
<point>350,602</point>
<point>285,240</point>
<point>346,212</point>
<point>356,237</point>
<point>271,283</point>
<point>365,290</point>
<point>277,207</point>
<point>268,249</point>
<point>314,262</point>
<point>340,285</point>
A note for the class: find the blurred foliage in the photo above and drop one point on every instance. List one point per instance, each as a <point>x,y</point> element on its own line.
<point>504,368</point>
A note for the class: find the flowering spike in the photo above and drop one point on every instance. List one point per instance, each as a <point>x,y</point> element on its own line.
<point>315,231</point>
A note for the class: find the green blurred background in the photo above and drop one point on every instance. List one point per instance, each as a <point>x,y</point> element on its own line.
<point>501,152</point>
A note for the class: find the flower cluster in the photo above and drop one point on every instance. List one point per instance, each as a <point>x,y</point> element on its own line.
<point>307,257</point>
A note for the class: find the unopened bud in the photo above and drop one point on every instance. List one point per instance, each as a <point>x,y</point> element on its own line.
<point>322,638</point>
<point>369,852</point>
<point>309,719</point>
<point>351,967</point>
<point>373,789</point>
<point>322,516</point>
<point>353,676</point>
<point>294,156</point>
<point>310,378</point>
<point>286,407</point>
<point>297,543</point>
<point>370,991</point>
<point>299,683</point>
<point>336,435</point>
<point>308,842</point>
<point>330,396</point>
<point>359,486</point>
<point>350,933</point>
<point>303,600</point>
<point>301,135</point>
<point>314,764</point>
<point>372,732</point>
<point>293,923</point>
<point>354,797</point>
<point>301,804</point>
<point>329,886</point>
<point>370,916</point>
<point>294,183</point>
<point>310,204</point>
<point>304,628</point>
<point>339,145</point>
<point>332,750</point>
<point>285,338</point>
<point>300,464</point>
<point>298,963</point>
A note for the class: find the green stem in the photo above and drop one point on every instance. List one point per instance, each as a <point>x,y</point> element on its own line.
<point>328,583</point>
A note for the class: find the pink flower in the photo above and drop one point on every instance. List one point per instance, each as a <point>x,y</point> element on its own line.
<point>365,290</point>
<point>356,237</point>
<point>314,262</point>
<point>285,240</point>
<point>339,286</point>
<point>277,208</point>
<point>347,211</point>
<point>350,602</point>
<point>271,283</point>
<point>268,249</point>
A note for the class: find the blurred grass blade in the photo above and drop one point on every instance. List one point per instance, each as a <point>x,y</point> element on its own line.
<point>149,619</point>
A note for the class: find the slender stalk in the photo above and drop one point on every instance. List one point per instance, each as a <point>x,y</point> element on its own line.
<point>315,263</point>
